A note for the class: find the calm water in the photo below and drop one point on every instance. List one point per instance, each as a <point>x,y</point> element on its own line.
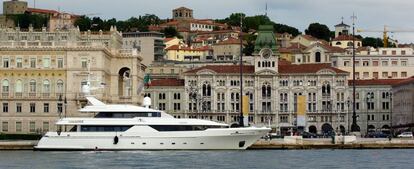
<point>210,159</point>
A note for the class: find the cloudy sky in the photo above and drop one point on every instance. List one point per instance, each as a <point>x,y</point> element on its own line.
<point>371,14</point>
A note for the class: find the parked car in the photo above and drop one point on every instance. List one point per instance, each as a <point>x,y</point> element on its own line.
<point>309,135</point>
<point>377,135</point>
<point>406,135</point>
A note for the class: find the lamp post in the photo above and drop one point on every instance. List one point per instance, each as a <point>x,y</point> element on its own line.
<point>391,129</point>
<point>369,100</point>
<point>354,126</point>
<point>348,102</point>
<point>65,102</point>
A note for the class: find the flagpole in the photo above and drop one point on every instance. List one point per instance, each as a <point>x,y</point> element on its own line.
<point>241,122</point>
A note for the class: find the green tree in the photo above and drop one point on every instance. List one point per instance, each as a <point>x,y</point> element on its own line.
<point>249,46</point>
<point>373,42</point>
<point>319,31</point>
<point>170,32</point>
<point>84,23</point>
<point>25,20</point>
<point>281,28</point>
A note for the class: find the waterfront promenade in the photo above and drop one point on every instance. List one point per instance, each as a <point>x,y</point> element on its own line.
<point>315,143</point>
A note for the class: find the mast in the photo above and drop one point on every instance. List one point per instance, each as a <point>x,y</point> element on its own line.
<point>354,126</point>
<point>241,122</point>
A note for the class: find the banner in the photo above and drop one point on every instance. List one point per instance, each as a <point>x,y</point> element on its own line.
<point>301,110</point>
<point>245,109</point>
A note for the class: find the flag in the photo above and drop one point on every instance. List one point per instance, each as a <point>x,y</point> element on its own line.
<point>147,80</point>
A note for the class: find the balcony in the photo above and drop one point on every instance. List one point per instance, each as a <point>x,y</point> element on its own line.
<point>18,95</point>
<point>32,95</point>
<point>45,95</point>
<point>5,94</point>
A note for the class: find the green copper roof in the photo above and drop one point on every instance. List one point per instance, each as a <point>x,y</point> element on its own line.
<point>265,39</point>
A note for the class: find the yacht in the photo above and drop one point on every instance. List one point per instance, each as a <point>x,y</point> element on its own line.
<point>130,127</point>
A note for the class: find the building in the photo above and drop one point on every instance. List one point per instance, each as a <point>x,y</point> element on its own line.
<point>182,13</point>
<point>14,7</point>
<point>346,41</point>
<point>403,105</point>
<point>341,29</point>
<point>272,85</point>
<point>42,73</point>
<point>149,44</point>
<point>228,49</point>
<point>184,53</point>
<point>373,104</point>
<point>381,63</point>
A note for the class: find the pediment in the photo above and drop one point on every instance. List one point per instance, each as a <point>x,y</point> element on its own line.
<point>206,72</point>
<point>266,72</point>
<point>326,72</point>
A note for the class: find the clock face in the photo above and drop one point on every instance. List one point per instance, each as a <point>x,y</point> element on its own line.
<point>266,53</point>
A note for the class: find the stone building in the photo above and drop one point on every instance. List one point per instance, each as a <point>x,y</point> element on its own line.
<point>403,105</point>
<point>41,74</point>
<point>272,85</point>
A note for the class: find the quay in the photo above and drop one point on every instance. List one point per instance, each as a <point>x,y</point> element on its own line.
<point>338,143</point>
<point>17,144</point>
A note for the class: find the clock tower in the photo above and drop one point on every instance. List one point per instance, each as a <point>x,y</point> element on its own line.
<point>265,50</point>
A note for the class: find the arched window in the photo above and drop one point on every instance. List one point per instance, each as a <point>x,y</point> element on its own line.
<point>46,86</point>
<point>204,89</point>
<point>350,43</point>
<point>269,91</point>
<point>59,86</point>
<point>19,86</point>
<point>208,90</point>
<point>258,64</point>
<point>5,86</point>
<point>318,57</point>
<point>338,43</point>
<point>32,86</point>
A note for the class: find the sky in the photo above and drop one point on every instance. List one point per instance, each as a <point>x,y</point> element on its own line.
<point>371,14</point>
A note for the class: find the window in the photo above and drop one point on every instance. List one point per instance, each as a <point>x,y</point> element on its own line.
<point>5,86</point>
<point>60,62</point>
<point>375,75</point>
<point>50,38</point>
<point>45,126</point>
<point>32,62</point>
<point>5,107</point>
<point>394,63</point>
<point>365,63</point>
<point>84,63</point>
<point>403,52</point>
<point>60,107</point>
<point>384,52</point>
<point>19,63</point>
<point>357,75</point>
<point>32,126</point>
<point>32,85</point>
<point>403,74</point>
<point>384,74</point>
<point>393,52</point>
<point>404,63</point>
<point>356,63</point>
<point>46,86</point>
<point>37,38</point>
<point>32,107</point>
<point>384,63</point>
<point>318,57</point>
<point>18,107</point>
<point>5,62</point>
<point>46,62</point>
<point>5,126</point>
<point>346,63</point>
<point>19,87</point>
<point>375,63</point>
<point>18,126</point>
<point>59,86</point>
<point>46,107</point>
<point>366,74</point>
<point>394,74</point>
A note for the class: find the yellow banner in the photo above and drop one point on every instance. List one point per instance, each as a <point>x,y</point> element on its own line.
<point>301,103</point>
<point>245,105</point>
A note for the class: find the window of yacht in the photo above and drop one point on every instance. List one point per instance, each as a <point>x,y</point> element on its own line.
<point>104,128</point>
<point>127,114</point>
<point>181,127</point>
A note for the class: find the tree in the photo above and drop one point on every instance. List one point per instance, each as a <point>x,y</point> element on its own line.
<point>84,23</point>
<point>373,42</point>
<point>249,47</point>
<point>25,20</point>
<point>319,31</point>
<point>281,28</point>
<point>170,32</point>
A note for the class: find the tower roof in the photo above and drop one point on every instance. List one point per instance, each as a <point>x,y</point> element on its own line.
<point>342,25</point>
<point>265,39</point>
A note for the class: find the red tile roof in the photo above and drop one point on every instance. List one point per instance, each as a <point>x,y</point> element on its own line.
<point>167,82</point>
<point>345,37</point>
<point>227,69</point>
<point>168,39</point>
<point>177,47</point>
<point>405,81</point>
<point>371,82</point>
<point>229,41</point>
<point>43,11</point>
<point>284,68</point>
<point>307,68</point>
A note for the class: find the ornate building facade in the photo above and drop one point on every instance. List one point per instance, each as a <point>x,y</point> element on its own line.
<point>272,85</point>
<point>41,74</point>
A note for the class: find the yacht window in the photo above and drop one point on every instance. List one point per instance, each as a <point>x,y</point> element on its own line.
<point>104,128</point>
<point>181,127</point>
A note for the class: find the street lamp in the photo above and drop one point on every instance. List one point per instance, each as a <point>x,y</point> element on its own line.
<point>369,100</point>
<point>391,105</point>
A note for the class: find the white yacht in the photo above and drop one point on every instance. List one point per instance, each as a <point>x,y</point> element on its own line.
<point>129,127</point>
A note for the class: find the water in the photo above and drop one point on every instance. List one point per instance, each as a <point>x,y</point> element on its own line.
<point>210,159</point>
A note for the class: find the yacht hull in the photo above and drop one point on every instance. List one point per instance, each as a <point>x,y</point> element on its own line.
<point>210,139</point>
